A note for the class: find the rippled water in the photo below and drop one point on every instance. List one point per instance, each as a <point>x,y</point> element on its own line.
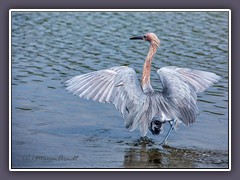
<point>50,126</point>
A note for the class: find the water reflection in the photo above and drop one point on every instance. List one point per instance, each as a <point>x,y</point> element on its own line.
<point>145,155</point>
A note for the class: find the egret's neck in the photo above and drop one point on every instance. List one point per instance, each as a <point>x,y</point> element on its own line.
<point>146,85</point>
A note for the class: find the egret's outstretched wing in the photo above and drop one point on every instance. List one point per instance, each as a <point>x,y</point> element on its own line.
<point>118,85</point>
<point>180,88</point>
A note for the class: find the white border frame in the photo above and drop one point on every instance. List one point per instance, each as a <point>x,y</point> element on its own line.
<point>118,10</point>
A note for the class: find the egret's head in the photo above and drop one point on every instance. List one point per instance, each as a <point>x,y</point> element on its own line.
<point>151,37</point>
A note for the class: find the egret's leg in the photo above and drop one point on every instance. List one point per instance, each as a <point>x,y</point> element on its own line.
<point>172,123</point>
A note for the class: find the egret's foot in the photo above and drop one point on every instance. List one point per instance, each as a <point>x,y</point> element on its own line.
<point>164,142</point>
<point>146,140</point>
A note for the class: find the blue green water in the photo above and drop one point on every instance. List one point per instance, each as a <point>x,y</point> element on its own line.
<point>51,47</point>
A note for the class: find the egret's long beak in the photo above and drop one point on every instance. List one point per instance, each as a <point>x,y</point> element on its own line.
<point>136,38</point>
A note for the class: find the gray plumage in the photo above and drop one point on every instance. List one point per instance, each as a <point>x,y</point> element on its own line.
<point>120,86</point>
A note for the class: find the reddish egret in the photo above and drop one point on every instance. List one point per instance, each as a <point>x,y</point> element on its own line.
<point>138,103</point>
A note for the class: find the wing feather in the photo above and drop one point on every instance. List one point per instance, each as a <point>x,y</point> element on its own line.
<point>180,88</point>
<point>120,86</point>
<point>117,85</point>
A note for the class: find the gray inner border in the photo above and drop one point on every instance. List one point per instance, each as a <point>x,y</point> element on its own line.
<point>170,4</point>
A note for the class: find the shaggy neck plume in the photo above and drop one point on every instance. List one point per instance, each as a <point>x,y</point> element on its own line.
<point>146,85</point>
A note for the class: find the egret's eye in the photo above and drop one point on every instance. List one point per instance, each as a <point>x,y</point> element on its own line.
<point>144,36</point>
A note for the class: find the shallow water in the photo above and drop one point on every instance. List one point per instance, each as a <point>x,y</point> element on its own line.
<point>54,129</point>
